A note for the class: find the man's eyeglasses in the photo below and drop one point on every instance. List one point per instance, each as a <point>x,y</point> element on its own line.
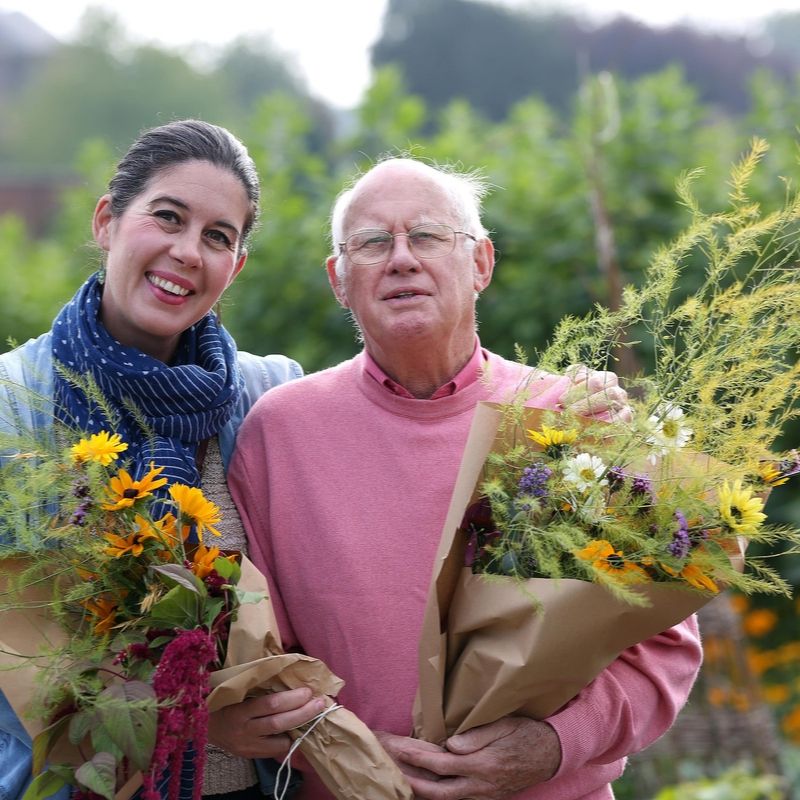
<point>372,246</point>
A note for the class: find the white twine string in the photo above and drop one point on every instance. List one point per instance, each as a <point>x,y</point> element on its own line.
<point>286,764</point>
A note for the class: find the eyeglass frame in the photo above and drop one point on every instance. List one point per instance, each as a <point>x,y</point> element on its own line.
<point>343,245</point>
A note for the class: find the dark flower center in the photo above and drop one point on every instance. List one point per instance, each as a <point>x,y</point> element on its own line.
<point>615,561</point>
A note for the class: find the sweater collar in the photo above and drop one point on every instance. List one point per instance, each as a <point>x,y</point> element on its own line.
<point>468,375</point>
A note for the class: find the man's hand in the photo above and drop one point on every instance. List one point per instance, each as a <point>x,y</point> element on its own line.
<point>491,762</point>
<point>256,728</point>
<point>596,394</point>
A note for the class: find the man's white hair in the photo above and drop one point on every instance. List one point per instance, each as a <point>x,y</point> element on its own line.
<point>466,191</point>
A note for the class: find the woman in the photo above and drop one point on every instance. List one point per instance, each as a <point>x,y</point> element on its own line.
<point>173,228</point>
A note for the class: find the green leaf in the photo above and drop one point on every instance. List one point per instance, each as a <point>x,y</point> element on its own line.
<point>250,597</point>
<point>228,569</point>
<point>99,775</point>
<point>179,608</point>
<point>81,724</point>
<point>212,608</point>
<point>43,786</point>
<point>102,741</point>
<point>44,741</point>
<point>131,722</point>
<point>180,575</point>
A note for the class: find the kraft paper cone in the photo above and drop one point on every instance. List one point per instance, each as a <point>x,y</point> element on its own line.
<point>493,646</point>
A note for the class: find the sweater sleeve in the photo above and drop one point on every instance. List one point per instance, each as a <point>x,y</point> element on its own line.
<point>249,486</point>
<point>632,702</point>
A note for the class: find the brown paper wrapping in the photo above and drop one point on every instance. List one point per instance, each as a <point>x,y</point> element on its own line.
<point>341,748</point>
<point>488,649</point>
<point>344,752</point>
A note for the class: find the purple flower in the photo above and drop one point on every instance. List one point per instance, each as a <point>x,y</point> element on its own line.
<point>79,514</point>
<point>534,480</point>
<point>790,466</point>
<point>471,550</point>
<point>616,477</point>
<point>214,583</point>
<point>681,542</point>
<point>478,515</point>
<point>641,485</point>
<point>181,683</point>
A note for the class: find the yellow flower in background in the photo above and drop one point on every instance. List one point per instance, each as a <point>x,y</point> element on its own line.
<point>123,491</point>
<point>602,556</point>
<point>133,543</point>
<point>759,621</point>
<point>193,506</point>
<point>739,603</point>
<point>100,447</point>
<point>740,511</point>
<point>552,437</point>
<point>777,694</point>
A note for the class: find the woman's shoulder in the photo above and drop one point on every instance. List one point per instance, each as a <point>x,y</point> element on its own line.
<point>25,362</point>
<point>265,372</point>
<point>26,383</point>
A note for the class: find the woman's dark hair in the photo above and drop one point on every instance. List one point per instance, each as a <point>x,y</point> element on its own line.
<point>163,147</point>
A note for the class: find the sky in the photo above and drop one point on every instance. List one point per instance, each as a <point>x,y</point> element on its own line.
<point>330,41</point>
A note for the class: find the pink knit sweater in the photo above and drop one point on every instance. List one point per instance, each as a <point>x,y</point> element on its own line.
<point>343,488</point>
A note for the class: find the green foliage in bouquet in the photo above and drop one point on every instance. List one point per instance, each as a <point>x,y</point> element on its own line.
<point>141,606</point>
<point>675,493</point>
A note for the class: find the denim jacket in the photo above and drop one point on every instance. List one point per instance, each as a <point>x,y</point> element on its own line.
<point>30,368</point>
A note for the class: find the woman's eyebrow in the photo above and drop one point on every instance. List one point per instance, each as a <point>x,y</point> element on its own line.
<point>166,198</point>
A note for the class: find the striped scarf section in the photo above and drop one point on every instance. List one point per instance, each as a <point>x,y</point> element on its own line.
<point>180,404</point>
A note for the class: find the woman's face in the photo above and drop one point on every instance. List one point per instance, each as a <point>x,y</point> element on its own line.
<point>170,254</point>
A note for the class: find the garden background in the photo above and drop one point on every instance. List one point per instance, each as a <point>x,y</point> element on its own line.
<point>582,132</point>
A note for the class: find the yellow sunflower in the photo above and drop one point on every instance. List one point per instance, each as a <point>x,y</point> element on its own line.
<point>193,508</point>
<point>104,608</point>
<point>123,491</point>
<point>770,474</point>
<point>204,558</point>
<point>552,437</point>
<point>133,543</point>
<point>101,447</point>
<point>693,575</point>
<point>740,511</point>
<point>602,556</point>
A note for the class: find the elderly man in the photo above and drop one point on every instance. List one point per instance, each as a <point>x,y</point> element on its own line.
<point>344,478</point>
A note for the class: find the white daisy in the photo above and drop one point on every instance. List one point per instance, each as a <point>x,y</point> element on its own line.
<point>667,431</point>
<point>585,472</point>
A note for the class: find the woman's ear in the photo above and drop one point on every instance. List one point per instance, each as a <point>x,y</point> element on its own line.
<point>101,222</point>
<point>240,262</point>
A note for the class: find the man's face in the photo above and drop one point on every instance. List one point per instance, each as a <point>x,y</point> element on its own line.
<point>406,301</point>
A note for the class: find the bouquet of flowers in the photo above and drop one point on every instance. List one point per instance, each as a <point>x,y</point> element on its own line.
<point>135,616</point>
<point>124,626</point>
<point>570,539</point>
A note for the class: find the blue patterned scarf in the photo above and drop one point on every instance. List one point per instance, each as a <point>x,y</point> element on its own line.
<point>181,404</point>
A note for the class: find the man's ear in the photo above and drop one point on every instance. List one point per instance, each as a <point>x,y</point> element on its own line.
<point>337,284</point>
<point>483,260</point>
<point>101,222</point>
